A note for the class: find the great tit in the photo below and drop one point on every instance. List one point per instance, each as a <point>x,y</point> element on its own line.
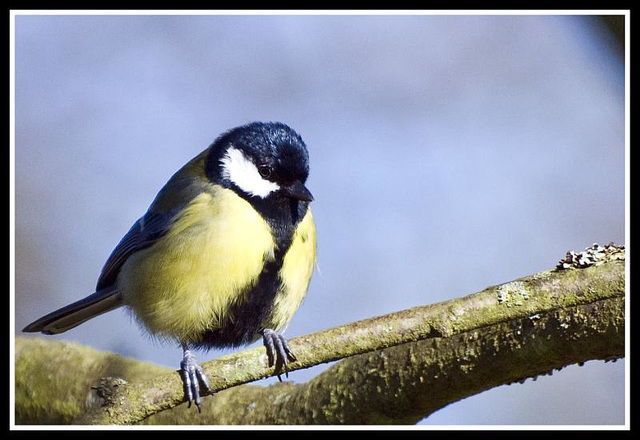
<point>223,256</point>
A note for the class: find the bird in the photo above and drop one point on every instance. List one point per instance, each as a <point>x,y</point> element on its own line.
<point>223,256</point>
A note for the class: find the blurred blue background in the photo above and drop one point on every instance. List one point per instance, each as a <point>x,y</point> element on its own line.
<point>448,153</point>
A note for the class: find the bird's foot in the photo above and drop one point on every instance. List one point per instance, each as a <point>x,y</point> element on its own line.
<point>192,376</point>
<point>277,350</point>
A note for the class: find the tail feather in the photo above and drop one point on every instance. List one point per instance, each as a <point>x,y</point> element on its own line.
<point>76,313</point>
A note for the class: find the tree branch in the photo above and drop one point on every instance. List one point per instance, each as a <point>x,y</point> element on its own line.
<point>416,361</point>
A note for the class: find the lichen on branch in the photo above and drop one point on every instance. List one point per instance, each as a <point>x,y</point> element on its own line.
<point>397,368</point>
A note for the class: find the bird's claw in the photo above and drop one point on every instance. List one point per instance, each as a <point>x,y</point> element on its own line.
<point>192,376</point>
<point>278,350</point>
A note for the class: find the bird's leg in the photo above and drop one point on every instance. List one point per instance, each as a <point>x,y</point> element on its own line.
<point>278,350</point>
<point>192,375</point>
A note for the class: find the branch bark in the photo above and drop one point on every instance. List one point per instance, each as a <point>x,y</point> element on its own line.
<point>400,367</point>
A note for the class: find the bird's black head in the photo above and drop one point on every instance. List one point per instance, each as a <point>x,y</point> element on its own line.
<point>265,163</point>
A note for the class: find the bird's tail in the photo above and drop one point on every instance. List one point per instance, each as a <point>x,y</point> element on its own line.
<point>75,314</point>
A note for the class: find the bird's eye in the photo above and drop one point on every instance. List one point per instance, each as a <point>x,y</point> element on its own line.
<point>265,171</point>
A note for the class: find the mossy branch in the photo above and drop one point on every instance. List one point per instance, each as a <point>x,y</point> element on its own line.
<point>408,364</point>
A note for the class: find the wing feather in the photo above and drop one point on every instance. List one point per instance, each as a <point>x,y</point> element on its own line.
<point>144,233</point>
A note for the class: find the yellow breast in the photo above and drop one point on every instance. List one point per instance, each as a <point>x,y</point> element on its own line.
<point>184,283</point>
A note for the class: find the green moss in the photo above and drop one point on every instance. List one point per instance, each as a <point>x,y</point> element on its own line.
<point>377,387</point>
<point>44,396</point>
<point>512,294</point>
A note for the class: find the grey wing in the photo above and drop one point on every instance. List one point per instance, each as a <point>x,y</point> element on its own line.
<point>142,234</point>
<point>151,226</point>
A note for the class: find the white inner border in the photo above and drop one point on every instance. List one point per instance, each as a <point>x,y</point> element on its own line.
<point>15,12</point>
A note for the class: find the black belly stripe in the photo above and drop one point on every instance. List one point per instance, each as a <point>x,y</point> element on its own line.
<point>250,313</point>
<point>243,319</point>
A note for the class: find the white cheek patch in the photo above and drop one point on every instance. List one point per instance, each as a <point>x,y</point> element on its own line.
<point>244,173</point>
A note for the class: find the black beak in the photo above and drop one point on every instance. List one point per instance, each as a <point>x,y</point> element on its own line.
<point>298,191</point>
